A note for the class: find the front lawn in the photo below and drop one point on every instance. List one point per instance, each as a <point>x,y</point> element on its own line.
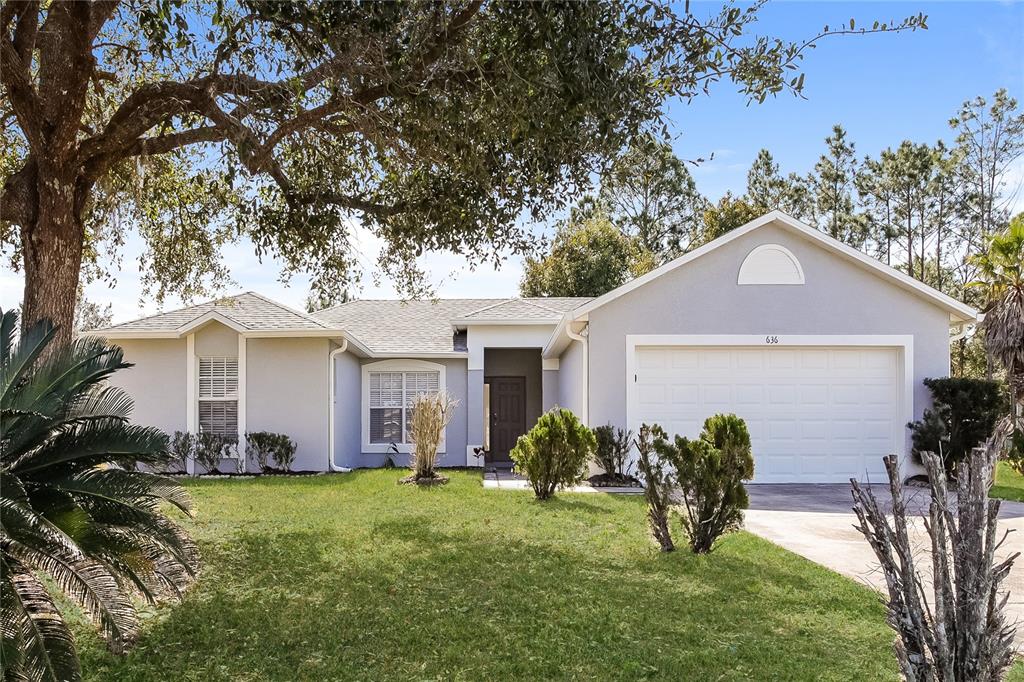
<point>351,576</point>
<point>1009,484</point>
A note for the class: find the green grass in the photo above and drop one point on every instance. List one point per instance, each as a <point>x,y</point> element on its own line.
<point>1009,484</point>
<point>354,577</point>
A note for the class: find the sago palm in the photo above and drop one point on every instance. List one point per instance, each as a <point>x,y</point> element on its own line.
<point>76,514</point>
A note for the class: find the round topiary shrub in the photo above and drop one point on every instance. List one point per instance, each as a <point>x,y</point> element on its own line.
<point>554,453</point>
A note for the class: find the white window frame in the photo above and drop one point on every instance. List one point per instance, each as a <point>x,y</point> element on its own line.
<point>234,396</point>
<point>393,366</point>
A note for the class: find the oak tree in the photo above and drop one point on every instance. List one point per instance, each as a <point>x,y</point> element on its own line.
<point>438,126</point>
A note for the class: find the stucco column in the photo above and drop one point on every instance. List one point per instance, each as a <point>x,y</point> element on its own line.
<point>474,415</point>
<point>549,384</point>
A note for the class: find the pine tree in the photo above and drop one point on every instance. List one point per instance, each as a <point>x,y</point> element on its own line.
<point>832,183</point>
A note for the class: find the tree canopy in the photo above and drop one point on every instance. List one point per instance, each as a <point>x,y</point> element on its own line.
<point>445,126</point>
<point>588,256</point>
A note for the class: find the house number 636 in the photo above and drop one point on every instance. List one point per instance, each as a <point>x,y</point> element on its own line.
<point>771,340</point>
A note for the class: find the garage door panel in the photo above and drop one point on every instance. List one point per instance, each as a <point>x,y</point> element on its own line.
<point>814,415</point>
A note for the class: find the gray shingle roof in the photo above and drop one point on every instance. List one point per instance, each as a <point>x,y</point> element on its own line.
<point>250,311</point>
<point>382,326</point>
<point>389,326</point>
<point>518,309</point>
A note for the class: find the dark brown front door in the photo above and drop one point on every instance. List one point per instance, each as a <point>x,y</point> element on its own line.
<point>508,415</point>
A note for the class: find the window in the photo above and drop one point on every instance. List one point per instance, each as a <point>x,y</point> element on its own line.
<point>218,396</point>
<point>391,396</point>
<point>388,389</point>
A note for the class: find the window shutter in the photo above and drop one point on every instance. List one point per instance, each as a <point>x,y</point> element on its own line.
<point>218,377</point>
<point>219,417</point>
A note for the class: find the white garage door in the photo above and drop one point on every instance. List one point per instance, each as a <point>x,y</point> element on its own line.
<point>816,415</point>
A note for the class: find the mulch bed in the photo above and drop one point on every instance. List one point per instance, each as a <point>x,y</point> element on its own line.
<point>245,474</point>
<point>613,481</point>
<point>436,479</point>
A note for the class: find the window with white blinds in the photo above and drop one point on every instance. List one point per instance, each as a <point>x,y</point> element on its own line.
<point>391,396</point>
<point>218,396</point>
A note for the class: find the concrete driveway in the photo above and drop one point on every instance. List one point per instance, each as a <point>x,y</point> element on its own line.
<point>816,521</point>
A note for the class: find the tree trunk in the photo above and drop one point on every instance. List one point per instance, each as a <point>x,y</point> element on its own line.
<point>52,247</point>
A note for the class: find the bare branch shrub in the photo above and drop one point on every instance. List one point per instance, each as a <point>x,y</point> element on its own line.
<point>658,484</point>
<point>431,414</point>
<point>960,634</point>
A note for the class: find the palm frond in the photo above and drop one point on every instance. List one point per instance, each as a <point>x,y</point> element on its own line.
<point>86,445</point>
<point>17,359</point>
<point>91,585</point>
<point>46,645</point>
<point>99,531</point>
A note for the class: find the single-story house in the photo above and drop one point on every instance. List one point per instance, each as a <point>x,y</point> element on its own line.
<point>820,348</point>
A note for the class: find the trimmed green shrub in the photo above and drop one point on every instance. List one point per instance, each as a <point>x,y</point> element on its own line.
<point>263,447</point>
<point>710,471</point>
<point>554,453</point>
<point>211,448</point>
<point>963,414</point>
<point>612,451</point>
<point>658,484</point>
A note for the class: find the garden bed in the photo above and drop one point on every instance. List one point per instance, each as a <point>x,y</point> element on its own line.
<point>614,481</point>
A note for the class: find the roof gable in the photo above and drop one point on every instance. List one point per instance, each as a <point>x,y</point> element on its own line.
<point>958,311</point>
<point>247,313</point>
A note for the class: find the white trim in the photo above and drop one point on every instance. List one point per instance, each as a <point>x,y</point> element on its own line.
<point>191,405</point>
<point>332,378</point>
<point>442,355</point>
<point>583,336</point>
<point>903,342</point>
<point>957,309</point>
<point>747,278</point>
<point>240,451</point>
<point>403,365</point>
<point>549,364</point>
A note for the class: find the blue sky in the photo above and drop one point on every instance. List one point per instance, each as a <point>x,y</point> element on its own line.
<point>882,88</point>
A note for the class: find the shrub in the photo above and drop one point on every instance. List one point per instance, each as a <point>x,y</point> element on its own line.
<point>658,484</point>
<point>431,414</point>
<point>264,446</point>
<point>554,453</point>
<point>962,416</point>
<point>947,601</point>
<point>612,451</point>
<point>180,449</point>
<point>710,472</point>
<point>211,448</point>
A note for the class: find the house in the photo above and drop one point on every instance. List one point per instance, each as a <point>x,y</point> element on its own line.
<point>821,349</point>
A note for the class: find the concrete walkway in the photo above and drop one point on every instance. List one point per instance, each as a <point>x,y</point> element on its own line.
<point>816,521</point>
<point>506,480</point>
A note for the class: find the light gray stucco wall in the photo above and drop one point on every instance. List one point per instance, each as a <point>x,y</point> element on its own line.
<point>287,393</point>
<point>550,392</point>
<point>348,418</point>
<point>570,378</point>
<point>216,340</point>
<point>157,382</point>
<point>519,362</point>
<point>702,297</point>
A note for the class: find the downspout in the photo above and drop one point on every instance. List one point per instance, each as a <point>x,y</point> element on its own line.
<point>331,466</point>
<point>582,338</point>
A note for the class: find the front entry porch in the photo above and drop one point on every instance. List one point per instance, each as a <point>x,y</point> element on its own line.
<point>513,388</point>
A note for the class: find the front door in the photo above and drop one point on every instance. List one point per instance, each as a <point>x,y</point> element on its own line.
<point>508,415</point>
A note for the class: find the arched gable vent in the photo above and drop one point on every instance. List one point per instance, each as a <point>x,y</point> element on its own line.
<point>771,264</point>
